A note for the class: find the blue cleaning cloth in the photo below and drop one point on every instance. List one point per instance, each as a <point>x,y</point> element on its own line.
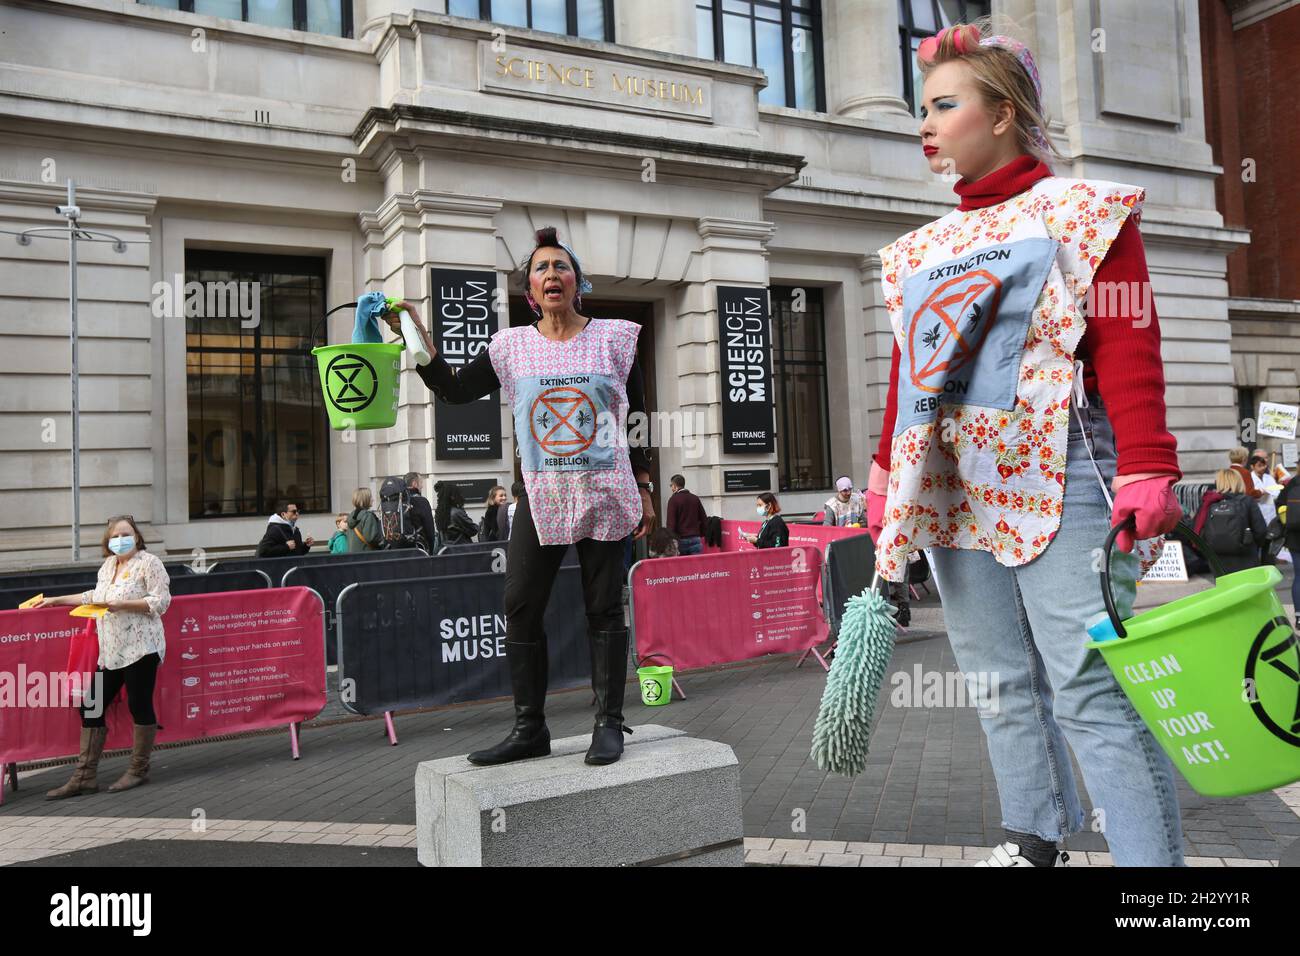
<point>369,306</point>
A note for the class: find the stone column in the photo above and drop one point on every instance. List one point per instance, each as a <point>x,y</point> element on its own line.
<point>370,16</point>
<point>732,252</point>
<point>863,67</point>
<point>878,348</point>
<point>666,25</point>
<point>410,234</point>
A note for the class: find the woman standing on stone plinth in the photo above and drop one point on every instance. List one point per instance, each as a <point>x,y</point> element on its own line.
<point>573,383</point>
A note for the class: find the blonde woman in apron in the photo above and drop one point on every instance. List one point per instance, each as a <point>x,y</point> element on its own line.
<point>1022,423</point>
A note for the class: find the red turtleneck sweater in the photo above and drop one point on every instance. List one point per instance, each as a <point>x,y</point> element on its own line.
<point>1121,356</point>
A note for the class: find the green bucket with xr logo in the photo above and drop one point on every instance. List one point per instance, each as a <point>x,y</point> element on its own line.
<point>360,383</point>
<point>656,682</point>
<point>1215,676</point>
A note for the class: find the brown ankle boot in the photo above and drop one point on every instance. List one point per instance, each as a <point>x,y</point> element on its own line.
<point>137,772</point>
<point>84,777</point>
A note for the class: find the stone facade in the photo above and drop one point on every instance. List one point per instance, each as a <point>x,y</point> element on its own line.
<point>192,132</point>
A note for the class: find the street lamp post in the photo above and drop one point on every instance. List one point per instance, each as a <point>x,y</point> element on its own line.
<point>72,214</point>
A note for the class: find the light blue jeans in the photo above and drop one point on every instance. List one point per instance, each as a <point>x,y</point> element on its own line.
<point>1027,625</point>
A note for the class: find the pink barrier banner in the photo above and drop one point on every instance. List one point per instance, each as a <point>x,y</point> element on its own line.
<point>801,535</point>
<point>716,608</point>
<point>235,661</point>
<point>808,535</point>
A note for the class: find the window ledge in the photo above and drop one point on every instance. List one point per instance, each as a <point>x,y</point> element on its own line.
<point>116,9</point>
<point>898,124</point>
<point>1265,307</point>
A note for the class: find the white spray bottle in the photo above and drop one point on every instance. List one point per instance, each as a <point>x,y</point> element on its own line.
<point>410,334</point>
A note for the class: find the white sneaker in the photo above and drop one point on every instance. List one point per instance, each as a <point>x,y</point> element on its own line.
<point>1008,854</point>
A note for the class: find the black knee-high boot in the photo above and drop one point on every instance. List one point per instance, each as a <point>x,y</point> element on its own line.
<point>608,680</point>
<point>530,736</point>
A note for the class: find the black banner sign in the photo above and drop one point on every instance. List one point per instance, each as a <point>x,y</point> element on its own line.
<point>474,490</point>
<point>221,581</point>
<point>11,597</point>
<point>758,479</point>
<point>408,644</point>
<point>745,345</point>
<point>462,320</point>
<point>71,577</point>
<point>570,553</point>
<point>329,579</point>
<point>276,568</point>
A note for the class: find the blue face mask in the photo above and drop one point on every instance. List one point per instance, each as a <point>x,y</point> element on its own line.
<point>121,544</point>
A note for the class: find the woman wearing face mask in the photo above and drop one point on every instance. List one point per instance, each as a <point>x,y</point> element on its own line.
<point>568,378</point>
<point>1005,387</point>
<point>772,533</point>
<point>135,587</point>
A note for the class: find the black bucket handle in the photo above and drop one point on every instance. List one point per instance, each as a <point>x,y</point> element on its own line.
<point>1181,530</point>
<point>321,321</point>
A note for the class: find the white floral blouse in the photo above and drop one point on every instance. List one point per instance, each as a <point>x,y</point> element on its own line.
<point>127,636</point>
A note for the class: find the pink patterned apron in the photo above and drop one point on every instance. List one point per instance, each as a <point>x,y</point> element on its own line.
<point>570,416</point>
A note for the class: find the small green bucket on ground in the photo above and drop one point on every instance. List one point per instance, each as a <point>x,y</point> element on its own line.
<point>656,684</point>
<point>1215,676</point>
<point>360,383</point>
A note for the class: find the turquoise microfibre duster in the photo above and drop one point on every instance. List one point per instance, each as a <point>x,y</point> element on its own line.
<point>866,644</point>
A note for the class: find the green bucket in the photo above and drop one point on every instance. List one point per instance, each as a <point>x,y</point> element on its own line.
<point>656,685</point>
<point>1215,676</point>
<point>360,383</point>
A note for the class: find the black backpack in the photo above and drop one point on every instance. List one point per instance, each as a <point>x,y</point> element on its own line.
<point>918,572</point>
<point>1227,526</point>
<point>397,517</point>
<point>487,526</point>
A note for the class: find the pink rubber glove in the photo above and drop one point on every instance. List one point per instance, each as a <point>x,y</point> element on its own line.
<point>877,490</point>
<point>1151,501</point>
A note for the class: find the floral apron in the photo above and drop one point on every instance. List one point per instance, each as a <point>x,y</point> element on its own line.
<point>988,307</point>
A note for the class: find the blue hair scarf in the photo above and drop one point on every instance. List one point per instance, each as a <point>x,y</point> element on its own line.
<point>585,285</point>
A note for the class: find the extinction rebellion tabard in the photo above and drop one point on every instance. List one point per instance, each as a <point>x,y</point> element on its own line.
<point>745,344</point>
<point>462,322</point>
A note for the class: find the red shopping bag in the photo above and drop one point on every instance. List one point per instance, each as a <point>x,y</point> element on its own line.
<point>83,658</point>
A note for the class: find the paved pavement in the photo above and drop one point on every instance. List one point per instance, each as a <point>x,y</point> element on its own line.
<point>927,796</point>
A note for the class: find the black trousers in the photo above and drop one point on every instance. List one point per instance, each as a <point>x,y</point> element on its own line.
<point>530,575</point>
<point>138,678</point>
